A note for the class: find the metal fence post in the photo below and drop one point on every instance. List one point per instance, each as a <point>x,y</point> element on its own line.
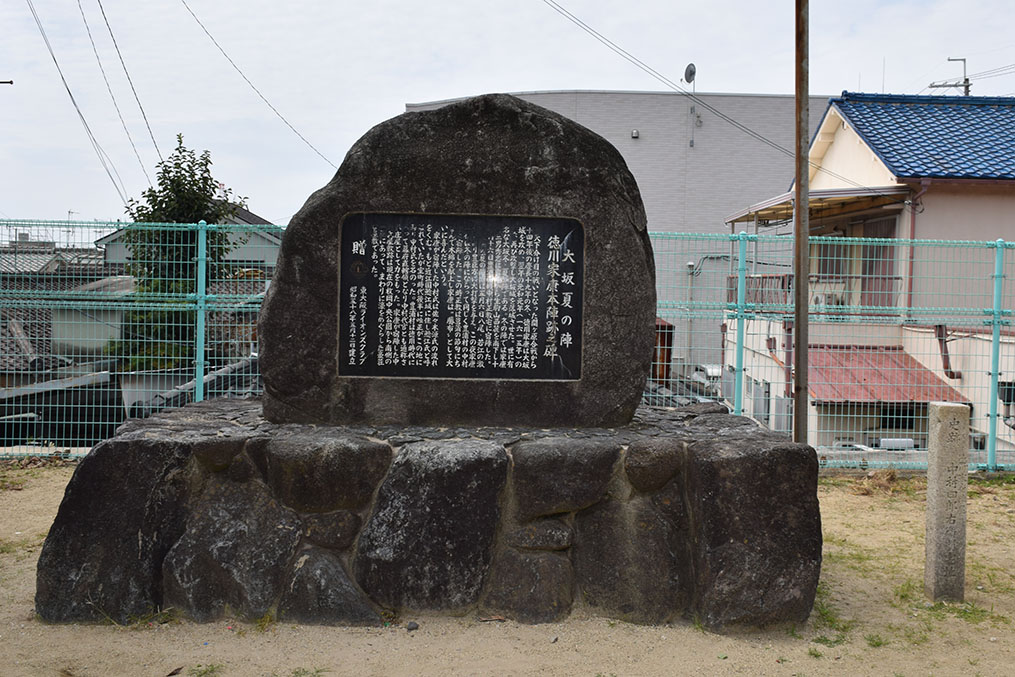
<point>202,302</point>
<point>995,354</point>
<point>738,386</point>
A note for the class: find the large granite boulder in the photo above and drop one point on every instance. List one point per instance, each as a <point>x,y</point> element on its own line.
<point>490,155</point>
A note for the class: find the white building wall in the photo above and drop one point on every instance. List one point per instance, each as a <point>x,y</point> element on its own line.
<point>688,188</point>
<point>251,246</point>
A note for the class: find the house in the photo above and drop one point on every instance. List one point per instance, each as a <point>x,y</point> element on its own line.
<point>255,248</point>
<point>897,316</point>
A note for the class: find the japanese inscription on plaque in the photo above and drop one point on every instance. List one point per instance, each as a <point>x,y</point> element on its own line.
<point>460,296</point>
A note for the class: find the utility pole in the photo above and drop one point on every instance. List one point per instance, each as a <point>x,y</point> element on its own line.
<point>801,227</point>
<point>962,84</point>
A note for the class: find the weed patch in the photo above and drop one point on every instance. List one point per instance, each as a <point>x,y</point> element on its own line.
<point>828,616</point>
<point>266,622</point>
<point>886,482</point>
<point>967,611</point>
<point>874,640</point>
<point>209,670</point>
<point>829,641</point>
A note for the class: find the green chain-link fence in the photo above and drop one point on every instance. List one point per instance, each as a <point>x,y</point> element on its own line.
<point>893,325</point>
<point>104,321</point>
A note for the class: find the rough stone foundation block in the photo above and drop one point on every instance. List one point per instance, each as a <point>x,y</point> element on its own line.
<point>235,553</point>
<point>123,509</point>
<point>710,517</point>
<point>428,541</point>
<point>755,528</point>
<point>322,471</point>
<point>320,592</point>
<point>558,474</point>
<point>545,534</point>
<point>630,560</point>
<point>531,587</point>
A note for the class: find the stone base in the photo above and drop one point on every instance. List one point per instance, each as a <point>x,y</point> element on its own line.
<point>212,510</point>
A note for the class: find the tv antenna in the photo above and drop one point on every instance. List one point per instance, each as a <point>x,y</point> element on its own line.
<point>962,84</point>
<point>689,74</point>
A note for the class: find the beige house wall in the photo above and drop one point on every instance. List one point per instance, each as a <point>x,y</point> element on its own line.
<point>847,157</point>
<point>963,277</point>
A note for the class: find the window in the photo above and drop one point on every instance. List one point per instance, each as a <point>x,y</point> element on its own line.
<point>878,280</point>
<point>900,416</point>
<point>833,260</point>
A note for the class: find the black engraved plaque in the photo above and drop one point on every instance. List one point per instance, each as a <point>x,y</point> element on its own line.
<point>460,296</point>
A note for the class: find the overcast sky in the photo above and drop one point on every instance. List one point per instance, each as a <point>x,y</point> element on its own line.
<point>335,68</point>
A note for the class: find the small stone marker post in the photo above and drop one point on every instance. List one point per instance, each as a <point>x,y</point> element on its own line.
<point>945,568</point>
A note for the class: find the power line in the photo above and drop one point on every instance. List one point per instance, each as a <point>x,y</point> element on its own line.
<point>103,158</point>
<point>110,90</point>
<point>125,72</point>
<point>994,72</point>
<point>675,87</point>
<point>999,72</point>
<point>256,90</point>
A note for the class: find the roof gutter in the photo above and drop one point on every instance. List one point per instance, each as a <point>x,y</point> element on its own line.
<point>925,180</point>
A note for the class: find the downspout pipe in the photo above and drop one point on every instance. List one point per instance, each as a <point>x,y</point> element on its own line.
<point>941,334</point>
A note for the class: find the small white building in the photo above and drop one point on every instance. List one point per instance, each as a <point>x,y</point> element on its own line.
<point>256,247</point>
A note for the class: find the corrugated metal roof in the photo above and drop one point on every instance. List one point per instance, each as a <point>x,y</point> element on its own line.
<point>873,374</point>
<point>30,262</point>
<point>25,340</point>
<point>957,137</point>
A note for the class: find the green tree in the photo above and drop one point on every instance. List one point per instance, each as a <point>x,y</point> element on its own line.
<point>164,260</point>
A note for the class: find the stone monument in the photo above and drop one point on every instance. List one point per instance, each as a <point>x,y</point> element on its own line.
<point>454,351</point>
<point>486,263</point>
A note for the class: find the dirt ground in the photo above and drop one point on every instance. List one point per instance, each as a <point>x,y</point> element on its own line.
<point>871,617</point>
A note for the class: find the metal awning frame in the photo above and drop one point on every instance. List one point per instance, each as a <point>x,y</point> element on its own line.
<point>823,204</point>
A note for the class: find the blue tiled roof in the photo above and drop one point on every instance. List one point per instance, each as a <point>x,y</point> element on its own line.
<point>957,137</point>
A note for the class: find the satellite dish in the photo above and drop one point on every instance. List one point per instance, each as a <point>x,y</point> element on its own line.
<point>689,73</point>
